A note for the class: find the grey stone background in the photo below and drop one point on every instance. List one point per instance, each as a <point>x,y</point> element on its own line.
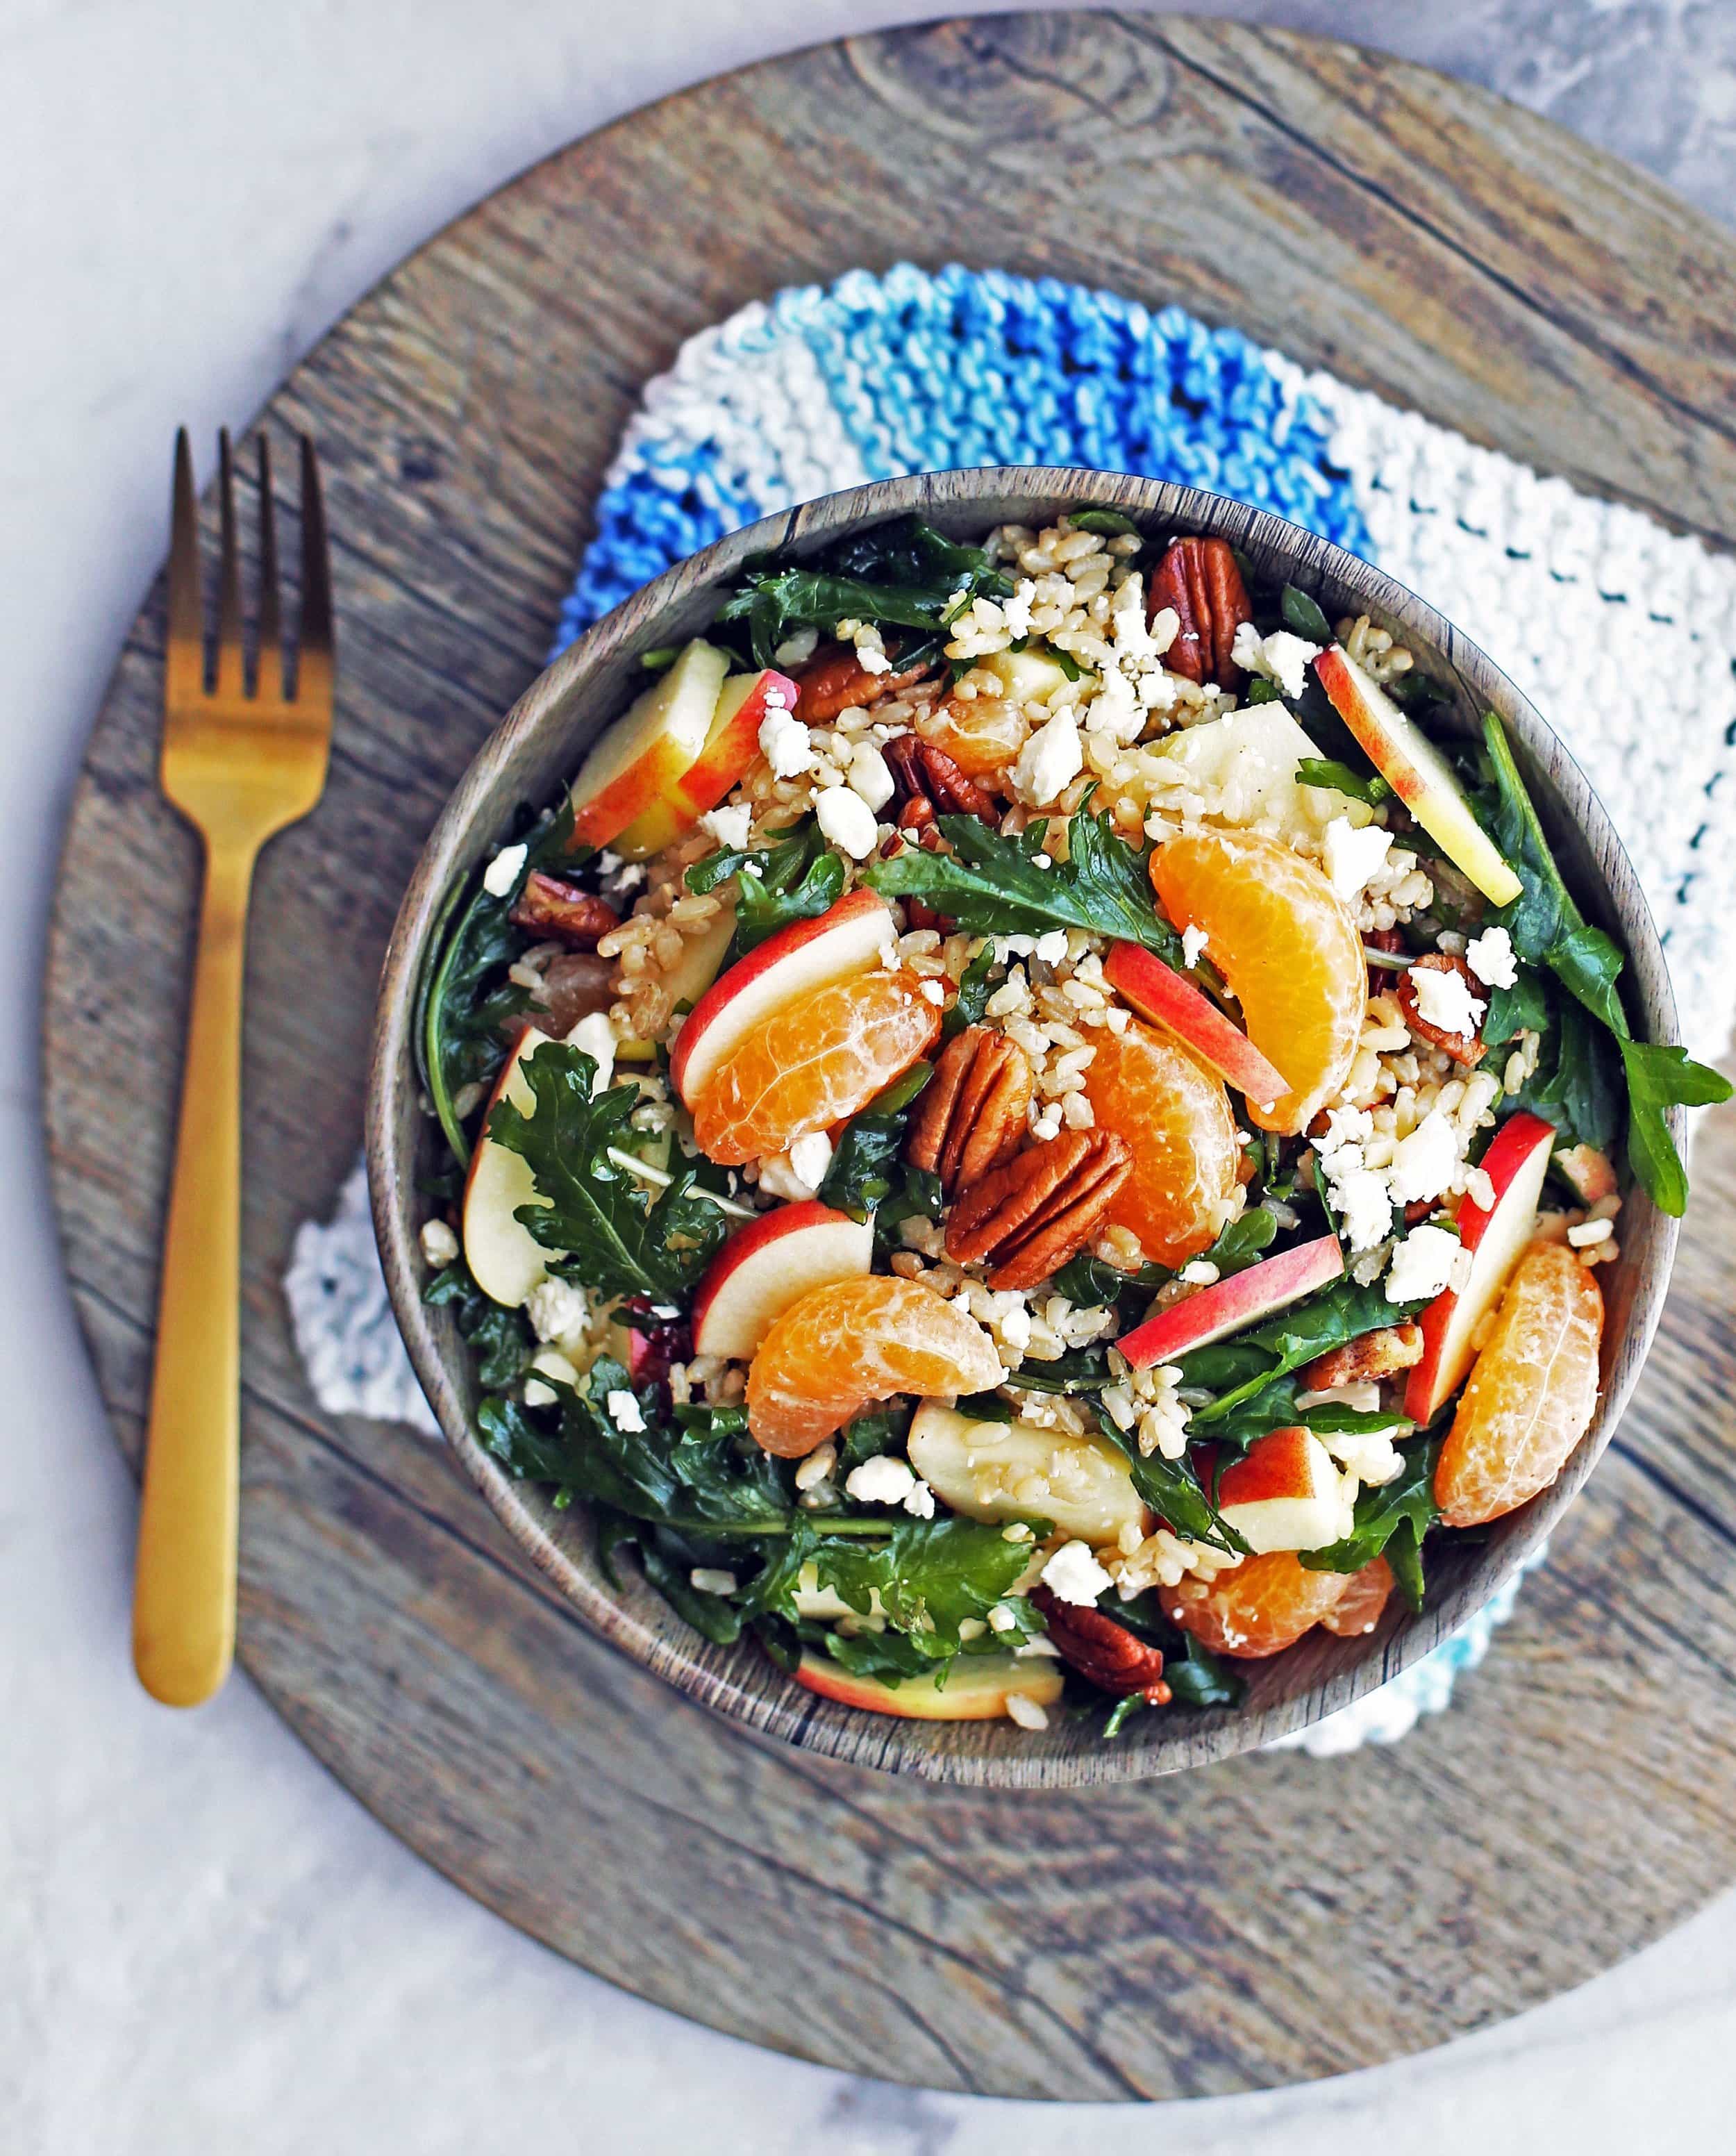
<point>204,1943</point>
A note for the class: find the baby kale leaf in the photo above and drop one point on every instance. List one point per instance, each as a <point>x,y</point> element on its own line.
<point>1239,1370</point>
<point>1406,1502</point>
<point>794,878</point>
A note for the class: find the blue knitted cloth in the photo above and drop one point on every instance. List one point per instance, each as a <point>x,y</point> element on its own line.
<point>1586,604</point>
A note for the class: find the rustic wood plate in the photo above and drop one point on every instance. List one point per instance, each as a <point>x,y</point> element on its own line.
<point>1260,1922</point>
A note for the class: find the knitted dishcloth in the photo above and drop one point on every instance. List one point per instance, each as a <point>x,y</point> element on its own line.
<point>1623,635</point>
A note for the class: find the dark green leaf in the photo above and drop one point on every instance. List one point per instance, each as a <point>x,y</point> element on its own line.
<point>1303,615</point>
<point>1172,1488</point>
<point>1091,1284</point>
<point>868,1165</point>
<point>1108,523</point>
<point>1328,771</point>
<point>966,1008</point>
<point>1404,1553</point>
<point>1080,1370</point>
<point>1408,1500</point>
<point>929,1576</point>
<point>499,1338</point>
<point>1238,1369</point>
<point>1260,690</point>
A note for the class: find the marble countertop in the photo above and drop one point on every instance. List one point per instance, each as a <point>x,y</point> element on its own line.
<point>207,1943</point>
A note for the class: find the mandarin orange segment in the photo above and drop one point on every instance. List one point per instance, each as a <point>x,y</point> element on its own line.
<point>1263,1606</point>
<point>1175,1114</point>
<point>1531,1391</point>
<point>1285,940</point>
<point>981,736</point>
<point>845,1346</point>
<point>813,1063</point>
<point>1358,1609</point>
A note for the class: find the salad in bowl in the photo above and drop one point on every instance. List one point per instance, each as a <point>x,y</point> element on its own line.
<point>1039,1126</point>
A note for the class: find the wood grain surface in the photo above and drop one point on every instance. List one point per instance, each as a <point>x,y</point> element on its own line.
<point>1260,1922</point>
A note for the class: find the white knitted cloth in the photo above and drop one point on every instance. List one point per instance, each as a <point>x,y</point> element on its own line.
<point>1623,635</point>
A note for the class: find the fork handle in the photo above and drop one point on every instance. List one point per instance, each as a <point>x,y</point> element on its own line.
<point>184,1582</point>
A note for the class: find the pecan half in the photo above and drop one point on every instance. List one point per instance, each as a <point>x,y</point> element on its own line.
<point>562,912</point>
<point>1466,1048</point>
<point>1100,1649</point>
<point>1040,1209</point>
<point>926,775</point>
<point>1379,1354</point>
<point>835,679</point>
<point>1199,579</point>
<point>971,1116</point>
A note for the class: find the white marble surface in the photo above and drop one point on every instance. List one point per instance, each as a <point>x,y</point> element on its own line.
<point>204,1942</point>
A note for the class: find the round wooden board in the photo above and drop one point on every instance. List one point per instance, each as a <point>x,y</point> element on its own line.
<point>1265,1920</point>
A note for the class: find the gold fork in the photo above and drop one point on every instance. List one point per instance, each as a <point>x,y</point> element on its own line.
<point>241,759</point>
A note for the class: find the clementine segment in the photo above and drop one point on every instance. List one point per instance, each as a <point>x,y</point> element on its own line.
<point>845,1346</point>
<point>1284,941</point>
<point>1531,1391</point>
<point>981,738</point>
<point>1175,1114</point>
<point>1358,1609</point>
<point>1263,1606</point>
<point>812,1063</point>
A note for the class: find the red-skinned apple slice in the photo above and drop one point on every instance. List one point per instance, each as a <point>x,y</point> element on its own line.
<point>1285,1494</point>
<point>1157,992</point>
<point>1516,1164</point>
<point>850,937</point>
<point>1233,1304</point>
<point>734,741</point>
<point>632,776</point>
<point>977,1688</point>
<point>504,1257</point>
<point>1417,771</point>
<point>769,1264</point>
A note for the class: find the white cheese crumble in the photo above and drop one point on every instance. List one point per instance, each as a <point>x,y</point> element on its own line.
<point>1359,1193</point>
<point>1491,958</point>
<point>1444,998</point>
<point>711,1579</point>
<point>1352,857</point>
<point>624,1410</point>
<point>847,821</point>
<point>1280,657</point>
<point>594,1036</point>
<point>810,1157</point>
<point>871,775</point>
<point>555,1308</point>
<point>784,742</point>
<point>1073,1574</point>
<point>439,1246</point>
<point>1049,761</point>
<point>1193,942</point>
<point>881,1481</point>
<point>502,873</point>
<point>1051,948</point>
<point>1423,1163</point>
<point>1428,1261</point>
<point>730,826</point>
<point>920,1502</point>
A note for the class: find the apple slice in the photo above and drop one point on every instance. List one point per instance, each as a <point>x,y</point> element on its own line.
<point>1233,1304</point>
<point>504,1257</point>
<point>1012,1471</point>
<point>1417,771</point>
<point>1029,676</point>
<point>977,1688</point>
<point>769,1264</point>
<point>1516,1164</point>
<point>733,741</point>
<point>1158,992</point>
<point>1285,1494</point>
<point>1248,762</point>
<point>850,937</point>
<point>631,777</point>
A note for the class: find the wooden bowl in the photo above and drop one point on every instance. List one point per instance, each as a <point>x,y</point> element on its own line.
<point>532,755</point>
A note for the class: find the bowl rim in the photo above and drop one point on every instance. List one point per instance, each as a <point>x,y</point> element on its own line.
<point>752,1692</point>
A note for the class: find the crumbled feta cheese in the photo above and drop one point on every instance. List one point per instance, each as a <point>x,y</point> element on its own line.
<point>1193,942</point>
<point>847,821</point>
<point>810,1157</point>
<point>1427,1261</point>
<point>1028,1713</point>
<point>932,992</point>
<point>881,1481</point>
<point>439,1246</point>
<point>1017,611</point>
<point>730,826</point>
<point>871,775</point>
<point>1014,1326</point>
<point>557,1308</point>
<point>1364,1203</point>
<point>778,1179</point>
<point>624,1410</point>
<point>594,1036</point>
<point>1353,856</point>
<point>1444,998</point>
<point>1423,1163</point>
<point>1049,761</point>
<point>1491,958</point>
<point>920,1502</point>
<point>1073,1574</point>
<point>1116,709</point>
<point>1002,1617</point>
<point>711,1579</point>
<point>784,742</point>
<point>1287,660</point>
<point>502,872</point>
<point>1052,948</point>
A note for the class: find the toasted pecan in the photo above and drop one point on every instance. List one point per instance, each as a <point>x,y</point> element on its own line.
<point>562,912</point>
<point>971,1114</point>
<point>1099,1648</point>
<point>1039,1208</point>
<point>835,679</point>
<point>1199,579</point>
<point>1465,1048</point>
<point>1382,1353</point>
<point>927,776</point>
